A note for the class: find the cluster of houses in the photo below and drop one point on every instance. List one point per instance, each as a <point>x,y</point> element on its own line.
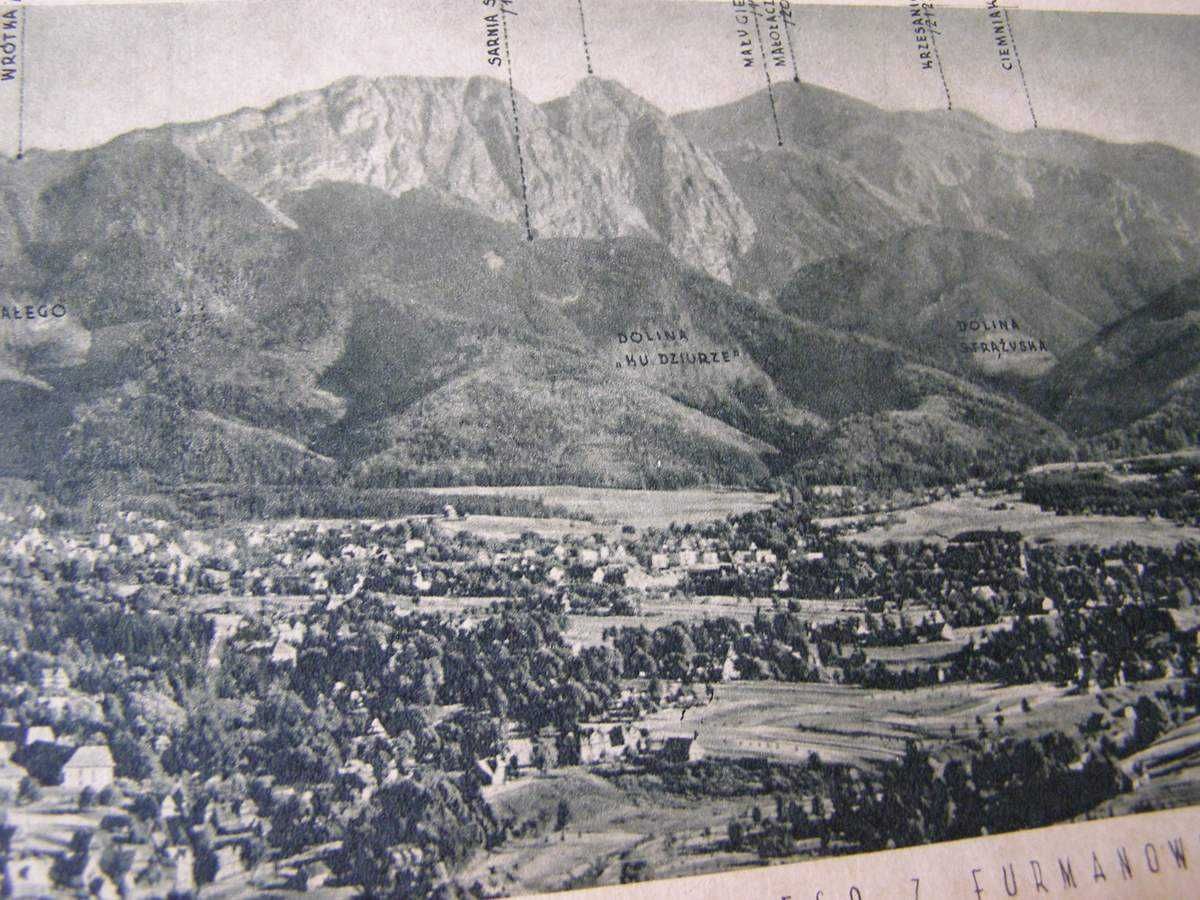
<point>138,559</point>
<point>65,815</point>
<point>141,559</point>
<point>595,743</point>
<point>35,751</point>
<point>157,836</point>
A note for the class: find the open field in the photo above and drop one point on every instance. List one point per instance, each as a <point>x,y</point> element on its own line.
<point>49,824</point>
<point>613,821</point>
<point>505,528</point>
<point>937,522</point>
<point>933,651</point>
<point>916,654</point>
<point>657,613</point>
<point>843,724</point>
<point>607,824</point>
<point>1178,749</point>
<point>849,724</point>
<point>1185,454</point>
<point>1173,765</point>
<point>642,509</point>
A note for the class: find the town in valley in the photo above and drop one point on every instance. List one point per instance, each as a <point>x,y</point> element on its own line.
<point>520,691</point>
<point>493,449</point>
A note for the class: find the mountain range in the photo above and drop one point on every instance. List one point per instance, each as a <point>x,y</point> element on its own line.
<point>341,286</point>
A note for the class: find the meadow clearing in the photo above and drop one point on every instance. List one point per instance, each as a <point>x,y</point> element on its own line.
<point>1172,764</point>
<point>622,818</point>
<point>939,521</point>
<point>850,724</point>
<point>641,509</point>
<point>610,822</point>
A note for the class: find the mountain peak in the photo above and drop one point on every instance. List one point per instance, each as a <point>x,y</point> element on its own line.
<point>594,88</point>
<point>601,105</point>
<point>680,191</point>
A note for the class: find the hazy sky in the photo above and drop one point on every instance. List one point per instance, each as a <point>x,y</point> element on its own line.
<point>94,72</point>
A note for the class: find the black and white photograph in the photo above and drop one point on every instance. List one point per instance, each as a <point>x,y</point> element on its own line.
<point>490,448</point>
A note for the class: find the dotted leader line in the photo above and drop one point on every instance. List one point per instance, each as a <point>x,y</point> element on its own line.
<point>21,89</point>
<point>762,50</point>
<point>512,96</point>
<point>937,57</point>
<point>587,50</point>
<point>1012,40</point>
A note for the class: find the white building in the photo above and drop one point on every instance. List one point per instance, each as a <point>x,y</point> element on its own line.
<point>284,654</point>
<point>89,766</point>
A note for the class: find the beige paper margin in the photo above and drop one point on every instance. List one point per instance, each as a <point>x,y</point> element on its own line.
<point>1151,7</point>
<point>971,869</point>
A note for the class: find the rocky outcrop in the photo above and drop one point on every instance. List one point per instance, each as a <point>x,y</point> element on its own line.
<point>599,163</point>
<point>679,189</point>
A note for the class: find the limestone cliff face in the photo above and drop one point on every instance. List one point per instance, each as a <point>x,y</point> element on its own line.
<point>600,163</point>
<point>397,134</point>
<point>678,188</point>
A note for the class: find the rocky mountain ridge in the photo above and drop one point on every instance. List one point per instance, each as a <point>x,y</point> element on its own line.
<point>340,286</point>
<point>598,163</point>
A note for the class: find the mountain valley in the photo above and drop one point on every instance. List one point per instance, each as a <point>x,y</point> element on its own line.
<point>340,287</point>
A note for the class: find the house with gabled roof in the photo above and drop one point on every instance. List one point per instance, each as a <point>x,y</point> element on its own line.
<point>89,766</point>
<point>39,733</point>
